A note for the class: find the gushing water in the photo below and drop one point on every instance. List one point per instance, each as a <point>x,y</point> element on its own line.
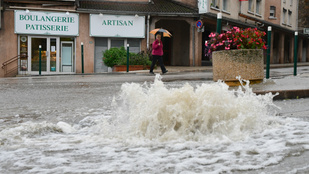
<point>156,128</point>
<point>205,113</point>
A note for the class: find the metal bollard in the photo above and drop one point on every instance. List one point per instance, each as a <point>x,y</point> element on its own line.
<point>219,21</point>
<point>295,53</point>
<point>268,51</point>
<point>127,57</point>
<point>82,52</point>
<point>40,59</point>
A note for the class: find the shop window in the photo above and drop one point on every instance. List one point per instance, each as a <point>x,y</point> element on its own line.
<point>272,11</point>
<point>225,5</point>
<point>258,7</point>
<point>53,54</point>
<point>117,43</point>
<point>250,6</point>
<point>23,46</point>
<point>134,45</point>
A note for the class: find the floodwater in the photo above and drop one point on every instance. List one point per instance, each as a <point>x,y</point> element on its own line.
<point>150,127</point>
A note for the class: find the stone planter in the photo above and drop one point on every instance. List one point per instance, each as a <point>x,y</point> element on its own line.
<point>247,63</point>
<point>118,68</point>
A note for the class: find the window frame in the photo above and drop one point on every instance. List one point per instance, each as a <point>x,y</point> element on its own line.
<point>215,4</point>
<point>284,11</point>
<point>251,6</point>
<point>289,20</point>
<point>272,10</point>
<point>225,4</point>
<point>258,7</point>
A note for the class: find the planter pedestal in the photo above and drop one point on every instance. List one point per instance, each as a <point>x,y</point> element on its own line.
<point>118,68</point>
<point>247,63</point>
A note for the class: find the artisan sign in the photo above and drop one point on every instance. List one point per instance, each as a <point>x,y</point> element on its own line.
<point>46,23</point>
<point>117,26</point>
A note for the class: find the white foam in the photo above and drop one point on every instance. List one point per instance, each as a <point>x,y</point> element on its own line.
<point>158,129</point>
<point>205,113</point>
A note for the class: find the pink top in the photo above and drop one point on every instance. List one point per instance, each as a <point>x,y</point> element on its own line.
<point>156,48</point>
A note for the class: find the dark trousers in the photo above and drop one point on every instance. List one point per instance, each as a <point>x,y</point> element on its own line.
<point>156,58</point>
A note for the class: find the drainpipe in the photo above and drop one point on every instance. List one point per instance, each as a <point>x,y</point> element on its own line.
<point>193,45</point>
<point>148,17</point>
<point>240,2</point>
<point>297,7</point>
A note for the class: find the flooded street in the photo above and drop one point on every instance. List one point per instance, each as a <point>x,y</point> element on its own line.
<point>101,124</point>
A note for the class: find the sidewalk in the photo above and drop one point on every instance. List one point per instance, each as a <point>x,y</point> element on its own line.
<point>282,80</point>
<point>177,69</point>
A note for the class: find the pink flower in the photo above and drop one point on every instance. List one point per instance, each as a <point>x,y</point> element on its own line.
<point>227,48</point>
<point>212,35</point>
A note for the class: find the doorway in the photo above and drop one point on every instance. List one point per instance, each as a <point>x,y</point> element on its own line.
<point>36,43</point>
<point>66,64</point>
<point>49,55</point>
<point>57,54</point>
<point>177,48</point>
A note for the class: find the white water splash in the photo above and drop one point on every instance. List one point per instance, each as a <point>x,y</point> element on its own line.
<point>208,112</point>
<point>158,129</point>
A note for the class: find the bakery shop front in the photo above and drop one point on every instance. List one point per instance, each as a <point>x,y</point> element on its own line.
<point>46,41</point>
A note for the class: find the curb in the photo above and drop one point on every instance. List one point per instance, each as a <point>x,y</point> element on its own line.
<point>287,94</point>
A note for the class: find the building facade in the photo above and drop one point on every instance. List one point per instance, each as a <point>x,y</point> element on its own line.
<point>72,35</point>
<point>303,25</point>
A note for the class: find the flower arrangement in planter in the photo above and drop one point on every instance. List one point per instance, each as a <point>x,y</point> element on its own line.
<point>236,38</point>
<point>237,52</point>
<point>117,58</point>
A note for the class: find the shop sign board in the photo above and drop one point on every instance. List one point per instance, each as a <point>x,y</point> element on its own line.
<point>46,23</point>
<point>202,6</point>
<point>117,26</point>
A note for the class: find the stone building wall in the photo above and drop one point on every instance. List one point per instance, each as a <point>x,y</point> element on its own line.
<point>303,15</point>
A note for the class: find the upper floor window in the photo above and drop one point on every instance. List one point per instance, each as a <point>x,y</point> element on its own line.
<point>250,6</point>
<point>215,4</point>
<point>225,5</point>
<point>284,16</point>
<point>258,6</point>
<point>291,2</point>
<point>272,12</point>
<point>283,1</point>
<point>289,18</point>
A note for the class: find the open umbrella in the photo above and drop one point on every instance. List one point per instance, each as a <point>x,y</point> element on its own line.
<point>161,30</point>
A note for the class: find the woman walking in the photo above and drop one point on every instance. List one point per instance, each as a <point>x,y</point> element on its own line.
<point>157,53</point>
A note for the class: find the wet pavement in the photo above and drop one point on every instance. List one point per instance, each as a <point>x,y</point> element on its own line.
<point>70,124</point>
